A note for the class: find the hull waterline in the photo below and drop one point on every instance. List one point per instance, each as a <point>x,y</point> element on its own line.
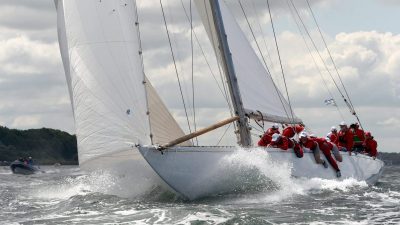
<point>201,171</point>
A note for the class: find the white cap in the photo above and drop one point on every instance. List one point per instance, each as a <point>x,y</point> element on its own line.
<point>275,137</point>
<point>275,125</point>
<point>343,123</point>
<point>333,128</point>
<point>313,135</point>
<point>303,134</point>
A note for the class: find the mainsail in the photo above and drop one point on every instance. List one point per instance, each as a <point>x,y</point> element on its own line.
<point>101,53</point>
<point>257,89</point>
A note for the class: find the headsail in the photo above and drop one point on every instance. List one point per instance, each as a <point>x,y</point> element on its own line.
<point>100,50</point>
<point>258,91</point>
<point>164,128</point>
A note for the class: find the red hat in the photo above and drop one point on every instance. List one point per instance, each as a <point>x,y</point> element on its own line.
<point>368,134</point>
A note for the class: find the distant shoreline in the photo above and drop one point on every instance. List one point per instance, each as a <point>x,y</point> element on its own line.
<point>49,146</point>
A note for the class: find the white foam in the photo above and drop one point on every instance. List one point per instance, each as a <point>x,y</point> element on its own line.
<point>80,185</point>
<point>280,175</point>
<point>390,198</point>
<point>126,212</point>
<point>210,218</point>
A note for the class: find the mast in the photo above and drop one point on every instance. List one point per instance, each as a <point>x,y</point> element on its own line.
<point>244,138</point>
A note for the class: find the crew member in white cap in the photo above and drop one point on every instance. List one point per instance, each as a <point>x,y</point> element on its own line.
<point>313,146</point>
<point>279,141</point>
<point>333,135</point>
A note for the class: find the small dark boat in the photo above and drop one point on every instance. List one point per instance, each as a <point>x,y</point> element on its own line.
<point>19,167</point>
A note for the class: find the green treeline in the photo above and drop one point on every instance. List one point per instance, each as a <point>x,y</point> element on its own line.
<point>45,146</point>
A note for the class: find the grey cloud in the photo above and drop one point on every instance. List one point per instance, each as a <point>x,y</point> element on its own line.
<point>27,17</point>
<point>389,2</point>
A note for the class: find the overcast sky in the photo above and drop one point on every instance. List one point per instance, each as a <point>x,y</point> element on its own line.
<point>363,37</point>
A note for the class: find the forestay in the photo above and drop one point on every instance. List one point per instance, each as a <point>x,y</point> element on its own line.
<point>257,89</point>
<point>101,54</point>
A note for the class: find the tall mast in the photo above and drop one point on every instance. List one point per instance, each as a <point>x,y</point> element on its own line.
<point>244,138</point>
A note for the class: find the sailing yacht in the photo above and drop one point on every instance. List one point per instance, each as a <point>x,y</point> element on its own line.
<point>122,123</point>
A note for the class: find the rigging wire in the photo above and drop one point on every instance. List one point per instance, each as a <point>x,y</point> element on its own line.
<point>253,35</point>
<point>223,92</point>
<point>217,53</point>
<point>320,56</point>
<point>263,59</point>
<point>176,69</point>
<point>353,111</point>
<point>280,61</point>
<point>192,66</point>
<point>223,135</point>
<point>218,57</point>
<point>313,58</point>
<point>263,36</point>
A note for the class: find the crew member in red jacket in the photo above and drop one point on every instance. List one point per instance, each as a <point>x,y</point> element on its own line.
<point>326,148</point>
<point>267,137</point>
<point>279,141</point>
<point>333,135</point>
<point>265,140</point>
<point>335,150</point>
<point>358,137</point>
<point>290,131</point>
<point>273,130</point>
<point>371,145</point>
<point>345,138</point>
<point>313,146</point>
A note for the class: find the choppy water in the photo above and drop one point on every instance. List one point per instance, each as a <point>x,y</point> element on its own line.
<point>65,195</point>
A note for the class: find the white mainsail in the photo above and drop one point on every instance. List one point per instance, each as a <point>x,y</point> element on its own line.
<point>101,54</point>
<point>257,88</point>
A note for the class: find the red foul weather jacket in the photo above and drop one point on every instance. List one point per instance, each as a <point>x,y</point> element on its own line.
<point>371,147</point>
<point>345,139</point>
<point>282,143</point>
<point>265,140</point>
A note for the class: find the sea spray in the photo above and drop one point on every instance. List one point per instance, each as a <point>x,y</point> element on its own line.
<point>105,182</point>
<point>264,180</point>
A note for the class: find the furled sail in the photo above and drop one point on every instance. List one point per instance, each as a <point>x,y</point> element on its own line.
<point>258,91</point>
<point>100,50</point>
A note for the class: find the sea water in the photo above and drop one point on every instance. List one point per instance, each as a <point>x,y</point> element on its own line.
<point>67,195</point>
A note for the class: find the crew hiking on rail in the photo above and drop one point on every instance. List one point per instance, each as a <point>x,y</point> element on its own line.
<point>348,139</point>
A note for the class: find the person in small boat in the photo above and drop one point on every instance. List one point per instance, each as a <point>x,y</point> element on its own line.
<point>358,137</point>
<point>345,138</point>
<point>306,142</point>
<point>279,141</point>
<point>333,135</point>
<point>30,160</point>
<point>371,145</point>
<point>267,137</point>
<point>326,149</point>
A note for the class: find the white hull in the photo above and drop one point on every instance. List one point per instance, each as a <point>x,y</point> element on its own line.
<point>200,171</point>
